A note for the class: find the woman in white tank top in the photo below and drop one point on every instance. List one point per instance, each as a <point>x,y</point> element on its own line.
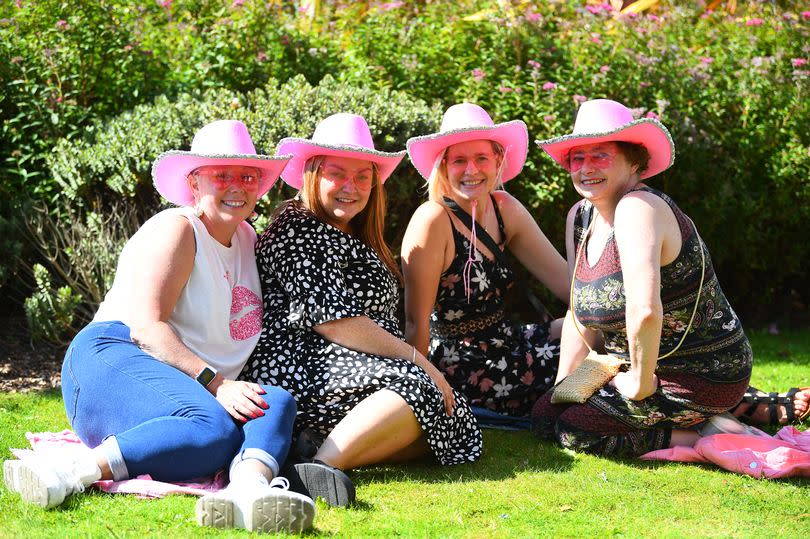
<point>149,384</point>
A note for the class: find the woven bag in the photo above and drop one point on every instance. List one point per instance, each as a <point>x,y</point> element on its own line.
<point>595,371</point>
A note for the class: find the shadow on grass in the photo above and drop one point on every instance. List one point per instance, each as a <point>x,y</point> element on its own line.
<point>506,455</point>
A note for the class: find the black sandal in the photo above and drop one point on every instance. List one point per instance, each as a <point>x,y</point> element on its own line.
<point>752,399</point>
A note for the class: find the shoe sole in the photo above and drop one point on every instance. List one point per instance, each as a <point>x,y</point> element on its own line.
<point>319,480</point>
<point>269,513</point>
<point>11,475</point>
<point>24,480</point>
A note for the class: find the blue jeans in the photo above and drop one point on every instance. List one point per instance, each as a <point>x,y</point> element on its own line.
<point>166,424</point>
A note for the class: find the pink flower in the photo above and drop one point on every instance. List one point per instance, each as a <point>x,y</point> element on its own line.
<point>706,60</point>
<point>533,17</point>
<point>478,74</point>
<point>261,56</point>
<point>580,98</point>
<point>549,118</point>
<point>18,3</point>
<point>237,3</point>
<point>284,40</point>
<point>805,15</point>
<point>505,89</point>
<point>604,69</point>
<point>534,63</point>
<point>644,84</point>
<point>165,3</point>
<point>754,22</point>
<point>62,24</point>
<point>652,115</point>
<point>653,17</point>
<point>798,62</point>
<point>549,86</point>
<point>707,14</point>
<point>596,38</point>
<point>389,6</point>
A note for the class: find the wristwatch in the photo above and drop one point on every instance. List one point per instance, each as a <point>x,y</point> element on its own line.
<point>207,375</point>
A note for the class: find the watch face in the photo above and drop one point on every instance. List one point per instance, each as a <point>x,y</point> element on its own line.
<point>206,376</point>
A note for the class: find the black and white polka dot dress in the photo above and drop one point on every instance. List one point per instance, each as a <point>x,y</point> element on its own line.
<point>312,273</point>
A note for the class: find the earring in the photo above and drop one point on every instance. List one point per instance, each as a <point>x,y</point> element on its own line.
<point>253,216</point>
<point>198,211</point>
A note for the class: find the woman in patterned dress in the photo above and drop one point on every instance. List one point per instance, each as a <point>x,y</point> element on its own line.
<point>644,282</point>
<point>330,333</point>
<point>455,285</point>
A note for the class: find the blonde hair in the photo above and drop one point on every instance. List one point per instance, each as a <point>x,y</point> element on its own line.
<point>367,226</point>
<point>438,183</point>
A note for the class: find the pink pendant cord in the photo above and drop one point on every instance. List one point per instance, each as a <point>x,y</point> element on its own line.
<point>465,274</point>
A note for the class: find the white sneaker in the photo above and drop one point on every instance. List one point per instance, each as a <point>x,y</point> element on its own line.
<point>48,481</point>
<point>256,507</point>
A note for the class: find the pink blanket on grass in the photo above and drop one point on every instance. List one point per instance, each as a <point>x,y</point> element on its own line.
<point>43,443</point>
<point>786,454</point>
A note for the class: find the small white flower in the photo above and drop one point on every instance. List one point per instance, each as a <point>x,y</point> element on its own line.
<point>453,314</point>
<point>481,279</point>
<point>451,355</point>
<point>546,351</point>
<point>501,366</point>
<point>502,389</point>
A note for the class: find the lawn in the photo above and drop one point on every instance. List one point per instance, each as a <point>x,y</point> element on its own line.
<point>521,488</point>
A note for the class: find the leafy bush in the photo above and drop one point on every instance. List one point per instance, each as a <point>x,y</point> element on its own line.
<point>50,311</point>
<point>66,63</point>
<point>111,165</point>
<point>732,88</point>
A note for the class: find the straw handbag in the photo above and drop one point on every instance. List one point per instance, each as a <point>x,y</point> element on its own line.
<point>597,369</point>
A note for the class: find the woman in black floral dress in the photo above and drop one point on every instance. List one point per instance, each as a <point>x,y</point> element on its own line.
<point>644,281</point>
<point>455,283</point>
<point>330,334</point>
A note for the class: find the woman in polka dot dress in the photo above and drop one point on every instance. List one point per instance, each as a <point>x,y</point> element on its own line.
<point>330,332</point>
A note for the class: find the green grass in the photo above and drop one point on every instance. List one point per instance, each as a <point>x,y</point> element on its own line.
<point>521,488</point>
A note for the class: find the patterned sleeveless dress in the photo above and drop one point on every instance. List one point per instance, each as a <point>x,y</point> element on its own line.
<point>496,364</point>
<point>706,376</point>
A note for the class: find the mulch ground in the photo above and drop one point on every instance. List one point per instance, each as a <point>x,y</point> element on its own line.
<point>25,366</point>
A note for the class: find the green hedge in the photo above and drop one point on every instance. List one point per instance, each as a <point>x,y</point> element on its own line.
<point>116,157</point>
<point>731,87</point>
<point>111,166</point>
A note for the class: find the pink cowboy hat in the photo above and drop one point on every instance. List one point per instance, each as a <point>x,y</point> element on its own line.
<point>338,135</point>
<point>603,120</point>
<point>465,122</point>
<point>224,142</point>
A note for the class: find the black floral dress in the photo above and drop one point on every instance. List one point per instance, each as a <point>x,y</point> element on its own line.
<point>496,364</point>
<point>312,273</point>
<point>706,376</point>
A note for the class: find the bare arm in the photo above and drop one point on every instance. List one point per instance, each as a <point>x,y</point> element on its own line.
<point>640,227</point>
<point>163,269</point>
<point>423,256</point>
<point>364,335</point>
<point>531,247</point>
<point>572,348</point>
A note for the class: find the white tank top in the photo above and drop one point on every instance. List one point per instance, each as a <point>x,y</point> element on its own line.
<point>219,313</point>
